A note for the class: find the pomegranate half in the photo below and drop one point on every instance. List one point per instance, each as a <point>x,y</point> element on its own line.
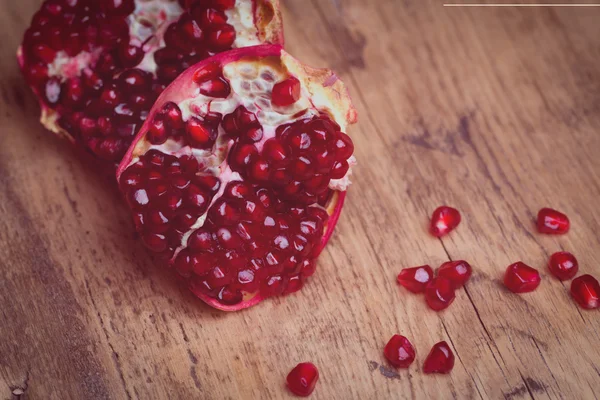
<point>238,175</point>
<point>97,67</point>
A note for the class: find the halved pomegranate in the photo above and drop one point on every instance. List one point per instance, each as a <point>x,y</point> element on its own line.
<point>97,67</point>
<point>237,185</point>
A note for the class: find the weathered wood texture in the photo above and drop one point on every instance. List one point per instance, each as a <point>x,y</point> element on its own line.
<point>494,111</point>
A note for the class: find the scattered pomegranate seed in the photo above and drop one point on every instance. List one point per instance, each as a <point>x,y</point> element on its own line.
<point>552,222</point>
<point>302,379</point>
<point>439,293</point>
<point>415,279</point>
<point>444,220</point>
<point>399,352</point>
<point>521,278</point>
<point>458,272</point>
<point>286,93</point>
<point>585,290</point>
<point>440,359</point>
<point>563,265</point>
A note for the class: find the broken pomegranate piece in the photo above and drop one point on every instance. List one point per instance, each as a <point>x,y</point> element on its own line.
<point>521,278</point>
<point>458,272</point>
<point>552,222</point>
<point>439,293</point>
<point>302,379</point>
<point>440,359</point>
<point>415,279</point>
<point>585,290</point>
<point>399,352</point>
<point>443,220</point>
<point>97,67</point>
<point>563,265</point>
<point>237,195</point>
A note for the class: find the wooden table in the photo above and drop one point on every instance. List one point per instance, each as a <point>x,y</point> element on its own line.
<point>495,111</point>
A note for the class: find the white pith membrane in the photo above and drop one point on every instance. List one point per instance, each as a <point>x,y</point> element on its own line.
<point>251,84</point>
<point>147,25</point>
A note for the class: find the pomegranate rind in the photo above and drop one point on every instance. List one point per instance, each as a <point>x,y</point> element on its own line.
<point>267,19</point>
<point>327,93</point>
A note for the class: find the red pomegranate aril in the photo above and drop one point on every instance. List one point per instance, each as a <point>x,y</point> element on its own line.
<point>229,296</point>
<point>458,272</point>
<point>399,352</point>
<point>302,379</point>
<point>117,7</point>
<point>415,279</point>
<point>521,278</point>
<point>585,290</point>
<point>221,37</point>
<point>443,220</point>
<point>439,293</point>
<point>440,359</point>
<point>563,265</point>
<point>211,16</point>
<point>550,221</point>
<point>155,242</point>
<point>218,88</point>
<point>286,93</point>
<point>199,134</point>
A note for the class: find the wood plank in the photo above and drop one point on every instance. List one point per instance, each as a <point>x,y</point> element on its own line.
<point>494,111</point>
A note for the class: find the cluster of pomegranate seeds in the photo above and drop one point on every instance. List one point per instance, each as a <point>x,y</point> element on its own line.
<point>302,379</point>
<point>521,278</point>
<point>415,279</point>
<point>563,265</point>
<point>440,359</point>
<point>443,220</point>
<point>439,291</point>
<point>399,352</point>
<point>251,242</point>
<point>167,195</point>
<point>298,163</point>
<point>585,290</point>
<point>552,222</point>
<point>103,99</point>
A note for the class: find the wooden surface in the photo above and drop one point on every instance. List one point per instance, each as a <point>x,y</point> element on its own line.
<point>493,111</point>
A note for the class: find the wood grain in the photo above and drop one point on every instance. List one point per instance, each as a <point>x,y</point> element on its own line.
<point>494,111</point>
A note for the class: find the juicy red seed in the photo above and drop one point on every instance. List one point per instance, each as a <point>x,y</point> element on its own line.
<point>211,16</point>
<point>274,285</point>
<point>399,352</point>
<point>343,146</point>
<point>563,265</point>
<point>172,115</point>
<point>223,4</point>
<point>221,37</point>
<point>443,220</point>
<point>217,87</point>
<point>118,7</point>
<point>585,290</point>
<point>457,272</point>
<point>521,278</point>
<point>552,222</point>
<point>157,132</point>
<point>415,279</point>
<point>274,151</point>
<point>440,359</point>
<point>339,170</point>
<point>308,268</point>
<point>286,93</point>
<point>201,240</point>
<point>155,242</point>
<point>207,72</point>
<point>439,293</point>
<point>229,296</point>
<point>201,135</point>
<point>44,53</point>
<point>302,379</point>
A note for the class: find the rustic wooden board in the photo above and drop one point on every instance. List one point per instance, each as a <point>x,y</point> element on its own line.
<point>494,111</point>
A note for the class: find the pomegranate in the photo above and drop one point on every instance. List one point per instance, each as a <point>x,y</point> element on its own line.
<point>237,193</point>
<point>302,379</point>
<point>552,222</point>
<point>585,290</point>
<point>458,272</point>
<point>399,352</point>
<point>97,67</point>
<point>439,293</point>
<point>563,265</point>
<point>521,278</point>
<point>440,359</point>
<point>443,220</point>
<point>415,279</point>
